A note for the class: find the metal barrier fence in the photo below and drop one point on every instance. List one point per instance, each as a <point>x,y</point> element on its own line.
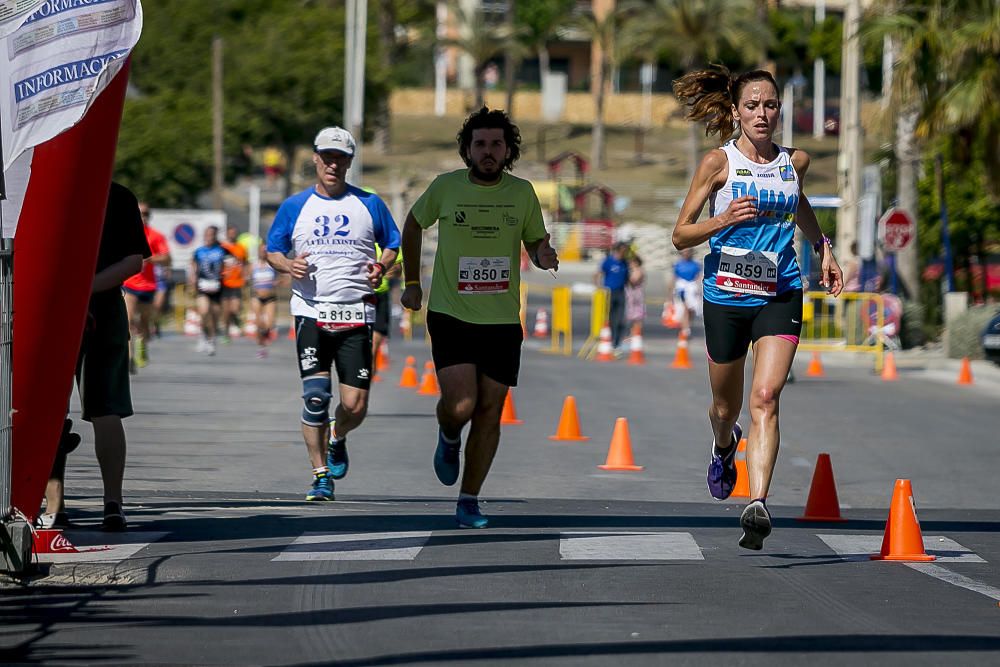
<point>6,372</point>
<point>852,322</point>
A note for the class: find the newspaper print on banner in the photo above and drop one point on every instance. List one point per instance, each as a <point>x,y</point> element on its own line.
<point>57,61</point>
<point>13,13</point>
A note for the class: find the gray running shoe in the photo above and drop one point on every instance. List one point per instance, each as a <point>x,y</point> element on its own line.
<point>756,523</point>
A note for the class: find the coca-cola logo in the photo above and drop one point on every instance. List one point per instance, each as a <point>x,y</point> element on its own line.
<point>60,543</point>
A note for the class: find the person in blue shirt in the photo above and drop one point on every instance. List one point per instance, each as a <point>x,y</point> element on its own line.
<point>205,280</point>
<point>686,292</point>
<point>613,275</point>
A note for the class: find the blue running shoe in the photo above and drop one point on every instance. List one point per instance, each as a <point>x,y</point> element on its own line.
<point>336,456</point>
<point>756,524</point>
<point>722,469</point>
<point>467,515</point>
<point>322,488</point>
<point>446,460</point>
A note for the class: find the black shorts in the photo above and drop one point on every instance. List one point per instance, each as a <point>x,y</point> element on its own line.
<point>383,311</point>
<point>142,295</point>
<point>494,349</point>
<point>102,367</point>
<point>350,352</point>
<point>264,300</point>
<point>729,330</point>
<point>214,297</point>
<point>232,292</point>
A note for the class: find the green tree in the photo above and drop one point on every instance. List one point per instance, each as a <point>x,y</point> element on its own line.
<point>541,20</point>
<point>483,41</point>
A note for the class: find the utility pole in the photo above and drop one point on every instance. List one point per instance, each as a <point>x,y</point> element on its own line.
<point>440,60</point>
<point>508,59</point>
<point>217,128</point>
<point>356,29</point>
<point>849,161</point>
<point>819,80</point>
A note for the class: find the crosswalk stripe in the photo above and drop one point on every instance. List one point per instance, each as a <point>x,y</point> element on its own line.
<point>403,545</point>
<point>596,545</point>
<point>100,547</point>
<point>860,547</point>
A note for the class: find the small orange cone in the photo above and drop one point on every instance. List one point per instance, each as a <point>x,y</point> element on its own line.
<point>636,357</point>
<point>965,375</point>
<point>742,487</point>
<point>376,362</point>
<point>569,423</point>
<point>429,383</point>
<point>815,369</point>
<point>382,357</point>
<point>541,329</point>
<point>509,414</point>
<point>620,451</point>
<point>822,504</point>
<point>604,349</point>
<point>669,316</point>
<point>902,540</point>
<point>408,379</point>
<point>291,332</point>
<point>889,373</point>
<point>681,359</point>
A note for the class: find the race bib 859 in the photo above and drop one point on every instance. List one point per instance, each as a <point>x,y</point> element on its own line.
<point>743,271</point>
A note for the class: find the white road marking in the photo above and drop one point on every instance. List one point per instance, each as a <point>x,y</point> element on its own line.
<point>956,579</point>
<point>598,545</point>
<point>860,547</point>
<point>101,547</point>
<point>403,545</point>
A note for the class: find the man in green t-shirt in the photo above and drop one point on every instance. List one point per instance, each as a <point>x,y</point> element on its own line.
<point>485,214</point>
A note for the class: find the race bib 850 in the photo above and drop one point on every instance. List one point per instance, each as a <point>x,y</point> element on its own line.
<point>483,275</point>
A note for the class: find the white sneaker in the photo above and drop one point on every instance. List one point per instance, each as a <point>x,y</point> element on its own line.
<point>202,345</point>
<point>210,348</point>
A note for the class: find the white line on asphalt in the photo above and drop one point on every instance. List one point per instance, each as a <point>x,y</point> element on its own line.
<point>100,547</point>
<point>860,547</point>
<point>596,545</point>
<point>956,579</point>
<point>403,545</point>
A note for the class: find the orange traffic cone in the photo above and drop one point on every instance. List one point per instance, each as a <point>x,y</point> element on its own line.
<point>541,324</point>
<point>889,373</point>
<point>681,359</point>
<point>382,357</point>
<point>742,487</point>
<point>965,375</point>
<point>815,369</point>
<point>509,414</point>
<point>822,504</point>
<point>409,379</point>
<point>902,540</point>
<point>376,362</point>
<point>291,330</point>
<point>192,322</point>
<point>429,383</point>
<point>636,355</point>
<point>569,423</point>
<point>620,451</point>
<point>669,316</point>
<point>604,350</point>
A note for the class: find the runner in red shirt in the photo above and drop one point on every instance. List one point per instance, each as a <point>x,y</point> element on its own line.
<point>140,290</point>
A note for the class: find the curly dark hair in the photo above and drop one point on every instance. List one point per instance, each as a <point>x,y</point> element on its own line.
<point>490,119</point>
<point>710,94</point>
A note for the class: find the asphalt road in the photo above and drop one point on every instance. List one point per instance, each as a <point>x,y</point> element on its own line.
<point>226,565</point>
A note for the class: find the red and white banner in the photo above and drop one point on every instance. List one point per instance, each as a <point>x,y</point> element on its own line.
<point>63,77</point>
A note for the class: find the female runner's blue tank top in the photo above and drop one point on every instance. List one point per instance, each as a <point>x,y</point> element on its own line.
<point>754,261</point>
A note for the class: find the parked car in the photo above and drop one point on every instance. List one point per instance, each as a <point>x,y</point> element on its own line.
<point>991,340</point>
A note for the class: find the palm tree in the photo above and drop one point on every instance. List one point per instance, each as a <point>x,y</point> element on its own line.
<point>696,32</point>
<point>483,41</point>
<point>541,20</point>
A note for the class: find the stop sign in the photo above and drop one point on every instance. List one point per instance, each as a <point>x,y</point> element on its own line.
<point>898,229</point>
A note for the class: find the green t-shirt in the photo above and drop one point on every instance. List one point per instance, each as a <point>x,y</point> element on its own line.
<point>477,274</point>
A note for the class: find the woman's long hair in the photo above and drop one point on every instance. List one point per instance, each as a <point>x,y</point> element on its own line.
<point>710,94</point>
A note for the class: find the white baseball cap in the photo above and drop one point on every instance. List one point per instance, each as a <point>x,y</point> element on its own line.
<point>334,139</point>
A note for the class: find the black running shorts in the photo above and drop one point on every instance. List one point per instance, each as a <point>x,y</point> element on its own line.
<point>494,349</point>
<point>729,330</point>
<point>350,352</point>
<point>102,367</point>
<point>383,309</point>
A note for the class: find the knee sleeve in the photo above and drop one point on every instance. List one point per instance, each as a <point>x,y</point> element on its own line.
<point>316,396</point>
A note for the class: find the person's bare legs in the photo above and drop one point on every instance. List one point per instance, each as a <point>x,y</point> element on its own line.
<point>772,358</point>
<point>132,310</point>
<point>727,399</point>
<point>316,437</point>
<point>351,410</point>
<point>484,434</point>
<point>459,391</point>
<point>109,444</point>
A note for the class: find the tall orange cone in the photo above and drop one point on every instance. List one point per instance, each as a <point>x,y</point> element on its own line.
<point>382,357</point>
<point>429,383</point>
<point>902,540</point>
<point>965,374</point>
<point>681,358</point>
<point>742,487</point>
<point>509,414</point>
<point>636,357</point>
<point>889,373</point>
<point>541,329</point>
<point>569,423</point>
<point>822,504</point>
<point>815,369</point>
<point>408,379</point>
<point>620,451</point>
<point>604,349</point>
<point>376,362</point>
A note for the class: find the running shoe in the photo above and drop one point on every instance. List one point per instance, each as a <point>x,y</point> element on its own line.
<point>756,523</point>
<point>322,488</point>
<point>202,345</point>
<point>262,353</point>
<point>210,348</point>
<point>336,456</point>
<point>55,520</point>
<point>114,518</point>
<point>722,469</point>
<point>467,514</point>
<point>446,460</point>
